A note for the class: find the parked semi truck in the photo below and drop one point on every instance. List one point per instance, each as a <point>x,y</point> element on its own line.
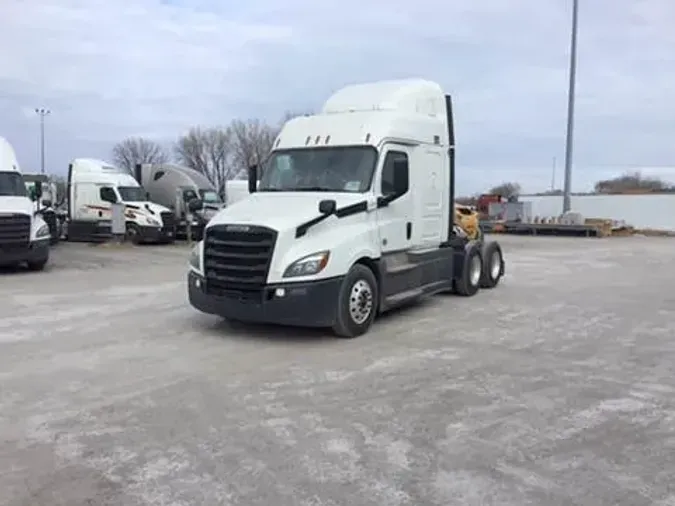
<point>94,186</point>
<point>24,235</point>
<point>173,187</point>
<point>353,216</point>
<point>48,203</point>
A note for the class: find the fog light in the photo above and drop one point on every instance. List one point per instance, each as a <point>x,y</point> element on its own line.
<point>198,283</point>
<point>280,292</point>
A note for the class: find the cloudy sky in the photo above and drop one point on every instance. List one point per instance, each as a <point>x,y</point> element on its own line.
<point>110,69</point>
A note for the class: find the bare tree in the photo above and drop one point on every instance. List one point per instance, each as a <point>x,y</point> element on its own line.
<point>133,150</point>
<point>209,151</point>
<point>506,190</point>
<point>632,182</point>
<point>252,140</point>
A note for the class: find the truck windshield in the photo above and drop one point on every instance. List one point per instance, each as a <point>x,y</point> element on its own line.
<point>132,193</point>
<point>209,197</point>
<point>336,169</point>
<point>12,185</point>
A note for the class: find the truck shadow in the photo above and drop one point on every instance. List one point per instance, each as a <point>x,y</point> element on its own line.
<point>229,329</point>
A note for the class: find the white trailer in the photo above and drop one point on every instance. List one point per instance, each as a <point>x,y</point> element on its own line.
<point>24,235</point>
<point>353,216</point>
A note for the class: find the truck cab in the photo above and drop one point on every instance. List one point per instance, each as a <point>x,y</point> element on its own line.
<point>24,235</point>
<point>351,215</point>
<point>94,186</point>
<point>47,204</point>
<point>174,187</point>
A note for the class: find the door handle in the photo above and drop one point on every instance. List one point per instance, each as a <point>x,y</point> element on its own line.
<point>408,230</point>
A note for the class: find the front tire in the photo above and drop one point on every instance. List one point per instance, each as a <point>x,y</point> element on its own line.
<point>133,234</point>
<point>357,302</point>
<point>38,265</point>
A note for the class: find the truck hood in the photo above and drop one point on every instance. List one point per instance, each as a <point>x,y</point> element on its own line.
<point>21,205</point>
<point>281,211</point>
<point>143,207</point>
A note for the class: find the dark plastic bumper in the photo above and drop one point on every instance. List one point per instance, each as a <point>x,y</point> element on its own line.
<point>303,304</point>
<point>36,251</point>
<point>156,234</point>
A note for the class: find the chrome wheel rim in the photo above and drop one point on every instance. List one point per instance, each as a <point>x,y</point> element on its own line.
<point>360,301</point>
<point>475,270</point>
<point>496,265</point>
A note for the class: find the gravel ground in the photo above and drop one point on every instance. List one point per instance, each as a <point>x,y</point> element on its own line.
<point>557,388</point>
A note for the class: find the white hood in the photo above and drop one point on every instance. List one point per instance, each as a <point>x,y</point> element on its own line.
<point>280,210</point>
<point>21,205</point>
<point>143,206</point>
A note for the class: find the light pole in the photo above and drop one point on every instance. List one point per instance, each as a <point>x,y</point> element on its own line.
<point>42,112</point>
<point>569,142</point>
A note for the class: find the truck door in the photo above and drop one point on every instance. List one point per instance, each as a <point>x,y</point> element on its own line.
<point>395,218</point>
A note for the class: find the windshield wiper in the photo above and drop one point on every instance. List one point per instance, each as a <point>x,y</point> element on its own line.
<point>315,189</point>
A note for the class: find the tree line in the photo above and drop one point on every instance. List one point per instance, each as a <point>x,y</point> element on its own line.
<point>220,153</point>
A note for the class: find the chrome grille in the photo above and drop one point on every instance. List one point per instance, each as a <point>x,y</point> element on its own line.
<point>14,230</point>
<point>237,259</point>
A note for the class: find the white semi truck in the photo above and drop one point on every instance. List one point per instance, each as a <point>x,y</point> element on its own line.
<point>24,235</point>
<point>93,186</point>
<point>352,216</point>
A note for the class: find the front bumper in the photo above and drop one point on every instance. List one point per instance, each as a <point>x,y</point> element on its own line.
<point>156,234</point>
<point>36,251</point>
<point>312,304</point>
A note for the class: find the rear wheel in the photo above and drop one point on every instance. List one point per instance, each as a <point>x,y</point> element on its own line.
<point>493,268</point>
<point>357,303</point>
<point>468,282</point>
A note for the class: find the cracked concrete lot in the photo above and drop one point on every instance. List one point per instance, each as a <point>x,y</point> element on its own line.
<point>557,388</point>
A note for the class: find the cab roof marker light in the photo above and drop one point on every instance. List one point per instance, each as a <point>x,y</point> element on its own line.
<point>318,138</point>
<point>367,137</point>
<point>327,139</point>
<point>276,144</point>
<point>309,138</point>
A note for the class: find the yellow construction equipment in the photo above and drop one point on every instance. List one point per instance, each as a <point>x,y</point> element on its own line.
<point>466,218</point>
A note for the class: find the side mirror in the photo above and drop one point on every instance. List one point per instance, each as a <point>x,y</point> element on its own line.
<point>327,207</point>
<point>194,205</point>
<point>38,190</point>
<point>253,178</point>
<point>401,181</point>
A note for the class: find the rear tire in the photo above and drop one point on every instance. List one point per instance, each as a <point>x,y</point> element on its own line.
<point>468,282</point>
<point>493,266</point>
<point>357,302</point>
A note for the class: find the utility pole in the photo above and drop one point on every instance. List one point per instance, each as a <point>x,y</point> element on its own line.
<point>553,175</point>
<point>570,110</point>
<point>42,112</point>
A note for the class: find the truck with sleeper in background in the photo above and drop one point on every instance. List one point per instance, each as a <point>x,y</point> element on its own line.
<point>173,187</point>
<point>93,186</point>
<point>353,215</point>
<point>24,235</point>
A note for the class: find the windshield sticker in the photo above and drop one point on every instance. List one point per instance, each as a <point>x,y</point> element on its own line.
<point>352,186</point>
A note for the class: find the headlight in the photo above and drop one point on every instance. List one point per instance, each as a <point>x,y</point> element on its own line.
<point>42,232</point>
<point>195,260</point>
<point>308,266</point>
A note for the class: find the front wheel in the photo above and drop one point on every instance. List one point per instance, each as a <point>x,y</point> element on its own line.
<point>357,303</point>
<point>37,265</point>
<point>133,234</point>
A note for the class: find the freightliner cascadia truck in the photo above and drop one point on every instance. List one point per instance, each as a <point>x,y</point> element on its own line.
<point>351,215</point>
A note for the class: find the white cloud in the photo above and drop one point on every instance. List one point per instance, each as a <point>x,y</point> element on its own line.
<point>112,69</point>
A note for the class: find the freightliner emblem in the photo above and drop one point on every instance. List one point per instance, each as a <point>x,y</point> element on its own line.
<point>237,228</point>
